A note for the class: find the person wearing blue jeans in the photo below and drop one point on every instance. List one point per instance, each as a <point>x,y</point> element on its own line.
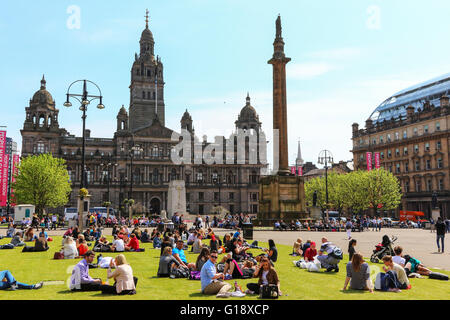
<point>8,281</point>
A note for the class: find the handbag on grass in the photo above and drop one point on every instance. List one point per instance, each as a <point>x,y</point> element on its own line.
<point>268,291</point>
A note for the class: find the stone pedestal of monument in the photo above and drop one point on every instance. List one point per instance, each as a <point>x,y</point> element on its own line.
<point>315,213</point>
<point>176,198</point>
<point>281,198</point>
<point>83,211</point>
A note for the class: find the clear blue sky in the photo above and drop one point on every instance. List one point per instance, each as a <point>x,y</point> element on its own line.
<point>347,57</point>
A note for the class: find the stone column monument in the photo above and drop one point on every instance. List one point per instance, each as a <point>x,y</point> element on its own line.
<point>282,195</point>
<point>176,198</point>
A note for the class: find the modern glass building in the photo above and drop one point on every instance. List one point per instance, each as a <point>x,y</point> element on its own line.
<point>395,106</point>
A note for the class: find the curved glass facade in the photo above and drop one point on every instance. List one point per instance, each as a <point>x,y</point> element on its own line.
<point>395,105</point>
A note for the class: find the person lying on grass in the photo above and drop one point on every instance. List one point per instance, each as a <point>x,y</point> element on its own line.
<point>358,274</point>
<point>8,282</point>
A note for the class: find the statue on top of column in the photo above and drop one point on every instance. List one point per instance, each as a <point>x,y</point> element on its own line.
<point>278,26</point>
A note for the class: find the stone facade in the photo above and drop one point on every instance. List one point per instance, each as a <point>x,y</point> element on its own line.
<point>115,172</point>
<point>415,149</point>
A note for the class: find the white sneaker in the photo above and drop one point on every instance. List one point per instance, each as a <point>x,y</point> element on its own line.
<point>295,263</point>
<point>223,295</point>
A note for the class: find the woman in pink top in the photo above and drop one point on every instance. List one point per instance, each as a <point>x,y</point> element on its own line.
<point>125,282</point>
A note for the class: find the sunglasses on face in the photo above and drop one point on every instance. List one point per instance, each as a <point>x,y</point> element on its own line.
<point>214,257</point>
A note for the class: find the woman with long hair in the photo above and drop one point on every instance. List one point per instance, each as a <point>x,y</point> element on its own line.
<point>266,274</point>
<point>358,274</point>
<point>202,258</point>
<point>351,249</point>
<point>272,252</point>
<point>125,282</point>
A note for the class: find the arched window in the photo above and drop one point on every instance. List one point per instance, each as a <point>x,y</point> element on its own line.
<point>155,151</point>
<point>41,121</point>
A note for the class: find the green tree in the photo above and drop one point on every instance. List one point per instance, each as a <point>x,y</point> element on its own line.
<point>383,189</point>
<point>356,191</point>
<point>318,185</point>
<point>43,181</point>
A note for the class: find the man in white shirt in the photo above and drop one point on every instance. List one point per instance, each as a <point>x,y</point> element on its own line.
<point>398,259</point>
<point>118,245</point>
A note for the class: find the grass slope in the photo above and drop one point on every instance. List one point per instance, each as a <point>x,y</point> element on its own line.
<point>297,284</point>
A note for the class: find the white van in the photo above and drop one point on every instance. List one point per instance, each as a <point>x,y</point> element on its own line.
<point>70,213</point>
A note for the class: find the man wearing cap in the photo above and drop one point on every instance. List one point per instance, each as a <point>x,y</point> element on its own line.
<point>80,279</point>
<point>178,254</point>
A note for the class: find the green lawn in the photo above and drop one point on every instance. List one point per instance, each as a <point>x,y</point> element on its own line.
<point>296,283</point>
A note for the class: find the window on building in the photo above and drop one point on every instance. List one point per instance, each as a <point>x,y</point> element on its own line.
<point>374,141</point>
<point>382,155</point>
<point>201,209</point>
<point>429,185</point>
<point>397,168</point>
<point>406,186</point>
<point>397,152</point>
<point>40,147</point>
<point>405,134</point>
<point>188,197</point>
<point>428,164</point>
<point>361,142</point>
<point>216,196</point>
<point>361,157</point>
<point>438,126</point>
<point>389,137</point>
<point>201,196</point>
<point>441,184</point>
<point>415,131</point>
<point>406,166</point>
<point>418,186</point>
<point>390,168</point>
<point>199,176</point>
<point>214,177</point>
<point>425,128</point>
<point>405,151</point>
<point>155,151</point>
<point>396,136</point>
<point>389,153</point>
<point>416,148</point>
<point>381,139</point>
<point>438,145</point>
<point>439,163</point>
<point>231,196</point>
<point>254,196</point>
<point>427,146</point>
<point>417,165</point>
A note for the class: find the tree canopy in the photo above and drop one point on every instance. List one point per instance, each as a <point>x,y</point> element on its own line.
<point>357,191</point>
<point>43,181</point>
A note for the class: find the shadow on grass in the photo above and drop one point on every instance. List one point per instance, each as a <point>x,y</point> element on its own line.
<point>65,292</point>
<point>197,295</point>
<point>351,291</point>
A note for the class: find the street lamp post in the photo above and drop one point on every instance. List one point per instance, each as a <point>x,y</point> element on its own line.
<point>85,99</point>
<point>325,157</point>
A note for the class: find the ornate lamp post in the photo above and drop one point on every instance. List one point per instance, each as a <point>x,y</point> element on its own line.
<point>108,165</point>
<point>132,152</point>
<point>85,99</point>
<point>325,157</point>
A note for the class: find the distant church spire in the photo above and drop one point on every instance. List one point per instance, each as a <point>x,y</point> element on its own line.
<point>299,161</point>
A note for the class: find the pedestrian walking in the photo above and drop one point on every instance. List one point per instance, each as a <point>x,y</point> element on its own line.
<point>348,227</point>
<point>440,233</point>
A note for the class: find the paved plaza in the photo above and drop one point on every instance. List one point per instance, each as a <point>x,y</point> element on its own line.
<point>418,243</point>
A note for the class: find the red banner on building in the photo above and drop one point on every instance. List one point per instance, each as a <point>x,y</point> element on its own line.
<point>369,160</point>
<point>300,171</point>
<point>377,160</point>
<point>3,170</point>
<point>293,170</point>
<point>14,165</point>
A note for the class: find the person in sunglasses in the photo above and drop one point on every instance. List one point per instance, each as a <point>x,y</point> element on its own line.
<point>210,279</point>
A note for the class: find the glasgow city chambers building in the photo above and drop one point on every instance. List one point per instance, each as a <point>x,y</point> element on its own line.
<point>136,163</point>
<point>410,132</point>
